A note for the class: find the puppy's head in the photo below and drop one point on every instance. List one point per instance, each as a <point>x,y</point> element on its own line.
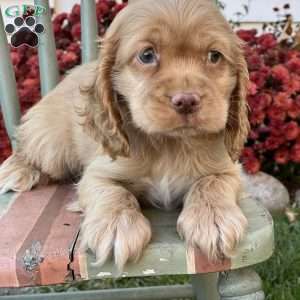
<point>172,68</point>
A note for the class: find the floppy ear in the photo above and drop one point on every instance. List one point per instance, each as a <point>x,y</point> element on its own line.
<point>237,127</point>
<point>103,119</point>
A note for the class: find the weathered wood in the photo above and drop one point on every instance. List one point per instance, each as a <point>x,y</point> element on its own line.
<point>47,51</point>
<point>147,293</point>
<point>6,201</point>
<point>258,244</point>
<point>243,284</point>
<point>9,101</point>
<point>34,247</point>
<point>167,254</point>
<point>205,286</point>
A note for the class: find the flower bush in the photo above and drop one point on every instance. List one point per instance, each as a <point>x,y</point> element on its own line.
<point>274,89</point>
<point>274,101</point>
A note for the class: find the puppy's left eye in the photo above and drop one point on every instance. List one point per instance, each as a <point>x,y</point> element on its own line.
<point>214,56</point>
<point>147,56</point>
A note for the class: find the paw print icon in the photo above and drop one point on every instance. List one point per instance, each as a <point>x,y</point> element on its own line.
<point>24,32</point>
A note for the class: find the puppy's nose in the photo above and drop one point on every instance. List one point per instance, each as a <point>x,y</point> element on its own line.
<point>185,103</point>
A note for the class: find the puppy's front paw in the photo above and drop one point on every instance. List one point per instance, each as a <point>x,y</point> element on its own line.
<point>215,230</point>
<point>124,234</point>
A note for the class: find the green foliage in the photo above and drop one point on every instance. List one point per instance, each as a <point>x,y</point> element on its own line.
<point>281,274</point>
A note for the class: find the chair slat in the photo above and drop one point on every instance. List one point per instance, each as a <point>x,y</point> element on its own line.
<point>9,101</point>
<point>89,31</point>
<point>49,73</point>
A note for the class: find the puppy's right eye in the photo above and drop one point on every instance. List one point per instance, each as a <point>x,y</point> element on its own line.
<point>214,56</point>
<point>147,56</point>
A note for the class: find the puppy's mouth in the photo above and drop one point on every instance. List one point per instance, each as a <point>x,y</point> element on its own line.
<point>187,124</point>
<point>184,131</point>
<point>190,120</point>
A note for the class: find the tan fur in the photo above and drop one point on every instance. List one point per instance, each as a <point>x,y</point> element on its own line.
<point>112,121</point>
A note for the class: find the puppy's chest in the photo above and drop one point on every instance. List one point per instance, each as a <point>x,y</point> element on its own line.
<point>165,187</point>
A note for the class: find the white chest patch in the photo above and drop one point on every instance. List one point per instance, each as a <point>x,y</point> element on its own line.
<point>166,191</point>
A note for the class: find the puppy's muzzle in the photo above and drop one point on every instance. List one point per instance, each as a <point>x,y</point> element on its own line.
<point>186,103</point>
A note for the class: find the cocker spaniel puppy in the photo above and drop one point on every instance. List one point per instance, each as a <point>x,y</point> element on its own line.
<point>161,117</point>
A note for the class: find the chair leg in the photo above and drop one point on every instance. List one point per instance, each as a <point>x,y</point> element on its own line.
<point>242,284</point>
<point>205,286</point>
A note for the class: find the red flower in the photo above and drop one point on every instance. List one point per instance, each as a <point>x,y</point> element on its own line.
<point>33,61</point>
<point>294,111</point>
<point>252,165</point>
<point>102,8</point>
<point>252,88</point>
<point>294,65</point>
<point>247,35</point>
<point>291,130</point>
<point>293,86</point>
<point>271,56</point>
<point>260,77</point>
<point>255,62</point>
<point>74,16</point>
<point>250,162</point>
<point>253,135</point>
<point>276,113</point>
<point>68,60</point>
<point>60,18</point>
<point>257,117</point>
<point>119,7</point>
<point>282,156</point>
<point>74,47</point>
<point>15,58</point>
<point>295,153</point>
<point>267,41</point>
<point>31,83</point>
<point>76,31</point>
<point>283,101</point>
<point>281,73</point>
<point>264,100</point>
<point>276,128</point>
<point>59,54</point>
<point>273,142</point>
<point>248,152</point>
<point>62,43</point>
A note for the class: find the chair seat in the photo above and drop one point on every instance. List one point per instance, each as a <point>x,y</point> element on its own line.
<point>39,242</point>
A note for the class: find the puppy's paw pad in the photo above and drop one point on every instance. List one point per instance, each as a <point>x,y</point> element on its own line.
<point>215,231</point>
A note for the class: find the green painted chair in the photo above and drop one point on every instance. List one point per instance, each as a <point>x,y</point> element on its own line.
<point>43,248</point>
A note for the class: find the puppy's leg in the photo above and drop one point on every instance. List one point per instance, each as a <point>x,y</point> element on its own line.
<point>17,175</point>
<point>211,219</point>
<point>113,222</point>
<point>44,146</point>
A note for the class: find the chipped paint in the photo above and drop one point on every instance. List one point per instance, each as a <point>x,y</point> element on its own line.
<point>149,272</point>
<point>104,274</point>
<point>32,257</point>
<point>163,259</point>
